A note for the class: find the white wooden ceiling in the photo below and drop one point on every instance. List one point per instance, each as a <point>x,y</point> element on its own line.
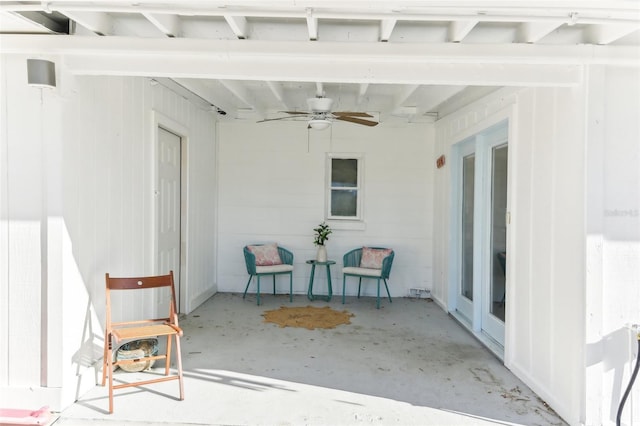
<point>407,60</point>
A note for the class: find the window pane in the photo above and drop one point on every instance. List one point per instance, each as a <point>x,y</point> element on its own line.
<point>344,202</point>
<point>344,173</point>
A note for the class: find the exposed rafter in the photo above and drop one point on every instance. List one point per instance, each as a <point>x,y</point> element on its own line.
<point>96,22</point>
<point>386,28</point>
<point>238,25</point>
<point>312,25</point>
<point>532,32</point>
<point>278,92</point>
<point>168,24</point>
<point>458,30</point>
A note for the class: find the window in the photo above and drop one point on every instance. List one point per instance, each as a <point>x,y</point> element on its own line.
<point>344,192</point>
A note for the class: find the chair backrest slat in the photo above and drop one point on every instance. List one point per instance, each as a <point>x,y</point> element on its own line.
<point>140,282</point>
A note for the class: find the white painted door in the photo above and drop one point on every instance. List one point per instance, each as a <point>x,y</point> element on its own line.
<point>480,179</point>
<point>169,201</point>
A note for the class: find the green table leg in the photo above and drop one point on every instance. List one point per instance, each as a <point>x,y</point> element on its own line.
<point>329,284</point>
<point>310,291</point>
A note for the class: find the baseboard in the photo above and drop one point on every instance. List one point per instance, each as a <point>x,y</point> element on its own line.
<point>31,398</point>
<point>200,300</point>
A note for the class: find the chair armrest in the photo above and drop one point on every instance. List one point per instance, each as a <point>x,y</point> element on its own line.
<point>285,256</point>
<point>352,258</point>
<point>387,262</point>
<point>250,261</point>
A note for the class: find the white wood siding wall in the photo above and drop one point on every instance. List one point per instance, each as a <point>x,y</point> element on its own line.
<point>545,309</point>
<point>612,282</point>
<point>77,201</point>
<point>574,156</point>
<point>272,181</point>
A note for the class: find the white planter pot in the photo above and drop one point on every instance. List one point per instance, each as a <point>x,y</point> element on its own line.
<point>321,256</point>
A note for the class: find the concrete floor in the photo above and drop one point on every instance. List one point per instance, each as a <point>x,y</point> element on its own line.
<point>408,363</point>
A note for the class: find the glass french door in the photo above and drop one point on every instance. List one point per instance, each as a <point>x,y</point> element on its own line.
<point>465,286</point>
<point>479,250</point>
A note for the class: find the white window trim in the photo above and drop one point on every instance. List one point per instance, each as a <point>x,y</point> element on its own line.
<point>356,222</point>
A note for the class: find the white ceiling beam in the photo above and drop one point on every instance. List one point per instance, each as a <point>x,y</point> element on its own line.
<point>96,22</point>
<point>605,34</point>
<point>238,25</point>
<point>532,32</point>
<point>506,64</point>
<point>278,92</point>
<point>312,25</point>
<point>458,30</point>
<point>333,54</point>
<point>386,28</point>
<point>168,24</point>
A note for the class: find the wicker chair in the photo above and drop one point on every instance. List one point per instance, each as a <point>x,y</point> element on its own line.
<point>353,267</point>
<point>254,270</point>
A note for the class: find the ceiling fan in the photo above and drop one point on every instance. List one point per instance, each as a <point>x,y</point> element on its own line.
<point>320,115</point>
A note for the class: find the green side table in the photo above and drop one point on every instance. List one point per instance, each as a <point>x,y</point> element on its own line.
<point>313,264</point>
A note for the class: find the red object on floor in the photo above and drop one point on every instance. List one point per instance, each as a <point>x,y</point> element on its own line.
<point>14,416</point>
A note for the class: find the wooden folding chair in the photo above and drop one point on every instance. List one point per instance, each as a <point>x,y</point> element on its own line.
<point>141,329</point>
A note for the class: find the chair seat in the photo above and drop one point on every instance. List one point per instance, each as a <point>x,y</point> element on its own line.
<point>354,270</point>
<point>274,269</point>
<point>146,331</point>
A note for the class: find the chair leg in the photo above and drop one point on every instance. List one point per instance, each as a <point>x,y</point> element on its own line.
<point>179,361</point>
<point>107,340</point>
<point>378,296</point>
<point>167,359</point>
<point>274,284</point>
<point>258,294</point>
<point>110,372</point>
<point>344,278</point>
<point>247,287</point>
<point>290,287</point>
<point>359,284</point>
<point>387,287</point>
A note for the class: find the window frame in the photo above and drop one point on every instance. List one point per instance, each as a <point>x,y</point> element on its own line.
<point>359,217</point>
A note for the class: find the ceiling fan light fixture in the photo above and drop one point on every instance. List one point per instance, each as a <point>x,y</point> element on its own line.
<point>319,123</point>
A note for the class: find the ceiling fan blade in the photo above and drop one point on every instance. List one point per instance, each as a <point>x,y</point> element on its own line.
<point>351,114</point>
<point>296,112</point>
<point>275,119</point>
<point>358,121</point>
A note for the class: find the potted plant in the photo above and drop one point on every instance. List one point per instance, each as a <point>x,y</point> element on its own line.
<point>321,236</point>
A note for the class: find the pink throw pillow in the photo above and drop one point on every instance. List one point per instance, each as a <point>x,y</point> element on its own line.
<point>372,258</point>
<point>266,255</point>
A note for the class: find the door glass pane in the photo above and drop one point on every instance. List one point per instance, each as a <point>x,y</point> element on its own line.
<point>498,229</point>
<point>468,172</point>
